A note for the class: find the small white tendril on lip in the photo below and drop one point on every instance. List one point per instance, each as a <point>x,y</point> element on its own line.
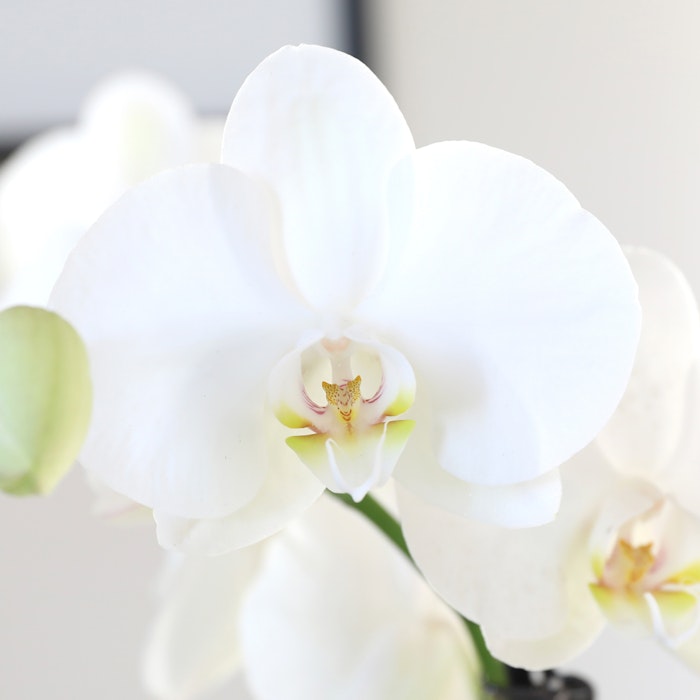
<point>358,492</point>
<point>657,621</point>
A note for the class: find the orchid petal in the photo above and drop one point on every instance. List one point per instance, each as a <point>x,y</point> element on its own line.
<point>325,134</point>
<point>525,504</point>
<point>45,399</point>
<point>175,293</point>
<point>193,644</point>
<point>644,432</point>
<point>288,490</point>
<point>516,283</point>
<point>527,588</point>
<point>337,612</point>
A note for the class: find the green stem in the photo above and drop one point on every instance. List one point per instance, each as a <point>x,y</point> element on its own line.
<point>495,672</point>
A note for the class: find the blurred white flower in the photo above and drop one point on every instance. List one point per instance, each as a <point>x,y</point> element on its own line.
<point>327,609</point>
<point>326,289</point>
<point>626,545</point>
<point>52,188</point>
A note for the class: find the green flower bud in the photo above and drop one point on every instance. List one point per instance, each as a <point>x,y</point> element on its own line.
<point>45,399</point>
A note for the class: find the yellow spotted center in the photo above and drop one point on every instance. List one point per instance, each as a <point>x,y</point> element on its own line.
<point>343,396</point>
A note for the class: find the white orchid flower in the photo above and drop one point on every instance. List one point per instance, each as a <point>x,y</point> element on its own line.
<point>330,307</point>
<point>327,609</point>
<point>626,545</point>
<point>52,188</point>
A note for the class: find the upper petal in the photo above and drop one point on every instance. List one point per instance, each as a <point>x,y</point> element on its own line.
<point>506,276</point>
<point>175,293</point>
<point>325,134</point>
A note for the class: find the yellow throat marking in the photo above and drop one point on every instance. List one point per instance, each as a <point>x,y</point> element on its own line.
<point>343,396</point>
<point>630,564</point>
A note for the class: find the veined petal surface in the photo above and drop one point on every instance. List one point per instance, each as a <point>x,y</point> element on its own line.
<point>325,134</point>
<point>506,275</point>
<point>338,613</point>
<point>644,433</point>
<point>175,292</point>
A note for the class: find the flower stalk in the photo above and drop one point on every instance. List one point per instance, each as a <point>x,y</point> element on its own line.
<point>495,672</point>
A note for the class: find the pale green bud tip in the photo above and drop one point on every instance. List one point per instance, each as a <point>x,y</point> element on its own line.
<point>45,399</point>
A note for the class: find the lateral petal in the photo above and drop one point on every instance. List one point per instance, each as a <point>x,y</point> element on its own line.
<point>175,292</point>
<point>508,288</point>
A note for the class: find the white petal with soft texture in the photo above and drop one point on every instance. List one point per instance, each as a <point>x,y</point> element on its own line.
<point>506,280</point>
<point>337,612</point>
<point>527,588</point>
<point>325,134</point>
<point>175,294</point>
<point>193,644</point>
<point>288,490</point>
<point>645,430</point>
<point>525,504</point>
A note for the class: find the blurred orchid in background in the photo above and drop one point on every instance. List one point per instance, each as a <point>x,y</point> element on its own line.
<point>626,545</point>
<point>328,608</point>
<point>330,307</point>
<point>52,188</point>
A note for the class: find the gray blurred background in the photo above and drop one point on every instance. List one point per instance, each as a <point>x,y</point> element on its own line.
<point>603,93</point>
